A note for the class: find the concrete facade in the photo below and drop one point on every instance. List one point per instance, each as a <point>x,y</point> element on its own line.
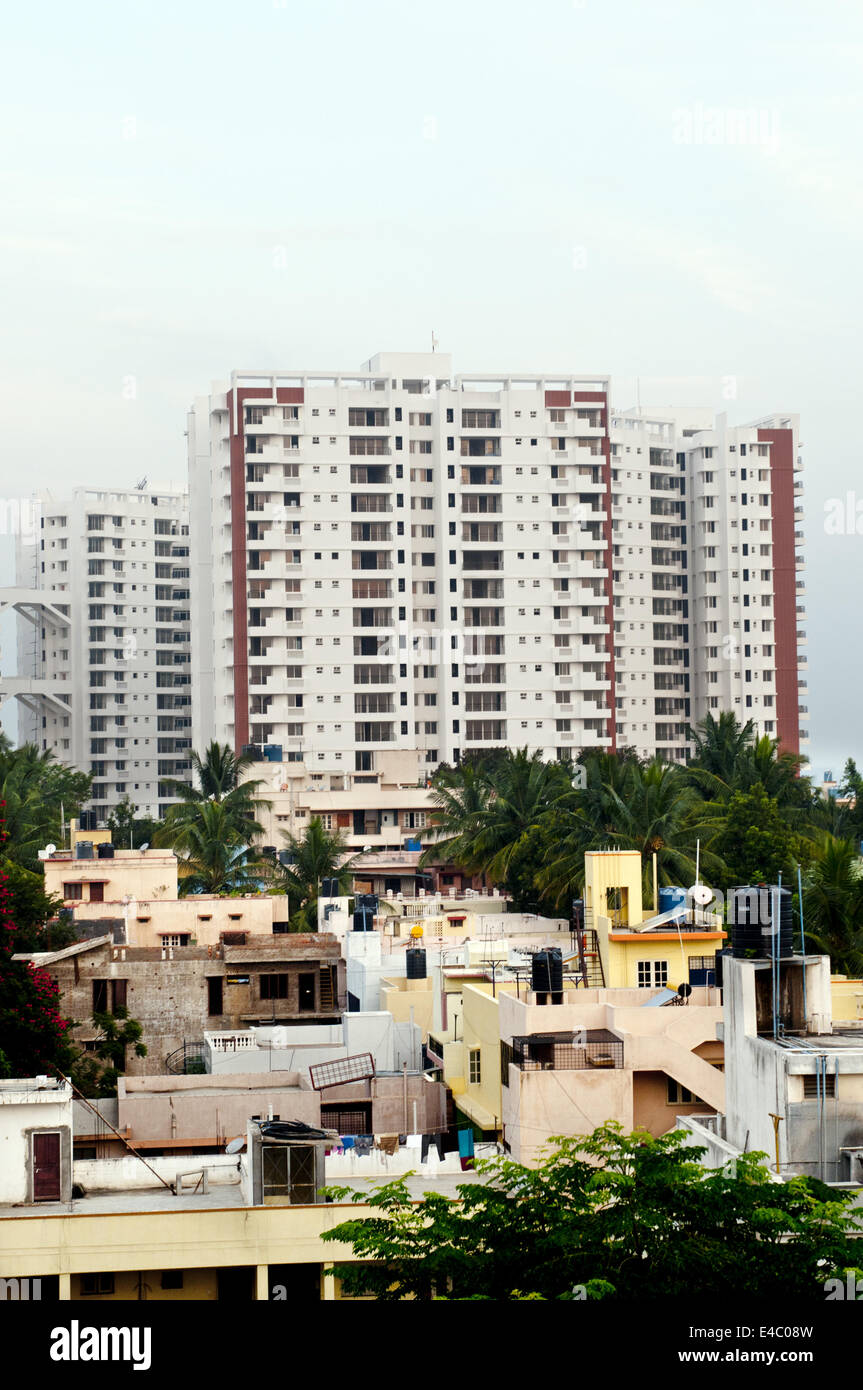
<point>115,562</point>
<point>169,992</point>
<point>31,1107</point>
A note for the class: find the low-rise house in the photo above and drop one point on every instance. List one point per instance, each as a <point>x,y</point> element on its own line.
<point>176,994</point>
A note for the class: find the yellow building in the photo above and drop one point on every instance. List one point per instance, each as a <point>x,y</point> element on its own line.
<point>179,1248</point>
<point>635,954</point>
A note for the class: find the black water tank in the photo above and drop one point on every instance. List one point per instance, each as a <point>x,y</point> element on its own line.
<point>105,851</point>
<point>546,975</point>
<point>87,820</point>
<point>84,849</point>
<point>720,966</point>
<point>416,964</point>
<point>365,907</point>
<point>330,888</point>
<point>754,909</point>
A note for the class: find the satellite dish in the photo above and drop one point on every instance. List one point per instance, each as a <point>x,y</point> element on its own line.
<point>684,990</point>
<point>146,846</point>
<point>700,893</point>
<point>50,849</point>
<point>236,1145</point>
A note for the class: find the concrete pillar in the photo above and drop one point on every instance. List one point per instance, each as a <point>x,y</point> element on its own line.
<point>64,1291</point>
<point>262,1282</point>
<point>328,1283</point>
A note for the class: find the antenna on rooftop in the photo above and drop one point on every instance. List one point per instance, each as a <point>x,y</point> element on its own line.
<point>139,486</point>
<point>434,341</point>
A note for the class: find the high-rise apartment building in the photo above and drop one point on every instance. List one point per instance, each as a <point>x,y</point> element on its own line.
<point>109,691</point>
<point>400,558</point>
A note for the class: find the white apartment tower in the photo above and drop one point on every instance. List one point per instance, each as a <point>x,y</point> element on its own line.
<point>400,558</point>
<point>109,691</point>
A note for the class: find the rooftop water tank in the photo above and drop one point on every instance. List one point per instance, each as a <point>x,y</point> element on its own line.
<point>758,913</point>
<point>546,975</point>
<point>416,964</point>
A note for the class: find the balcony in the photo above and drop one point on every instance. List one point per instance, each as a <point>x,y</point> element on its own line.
<point>600,1050</point>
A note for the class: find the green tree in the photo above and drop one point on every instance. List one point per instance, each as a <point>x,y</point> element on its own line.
<point>37,794</point>
<point>609,1216</point>
<point>503,804</point>
<point>129,830</point>
<point>833,905</point>
<point>213,824</point>
<point>317,855</point>
<point>34,912</point>
<point>213,852</point>
<point>754,841</point>
<point>33,1036</point>
<point>627,804</point>
<point>96,1073</point>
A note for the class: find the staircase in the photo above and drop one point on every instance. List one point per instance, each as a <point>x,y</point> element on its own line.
<point>188,1060</point>
<point>594,974</point>
<point>328,1001</point>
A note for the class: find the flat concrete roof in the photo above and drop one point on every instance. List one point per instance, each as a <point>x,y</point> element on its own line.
<point>221,1196</point>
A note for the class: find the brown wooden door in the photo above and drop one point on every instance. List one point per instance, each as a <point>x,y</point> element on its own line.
<point>46,1167</point>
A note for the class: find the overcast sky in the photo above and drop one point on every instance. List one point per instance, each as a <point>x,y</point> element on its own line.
<point>668,192</point>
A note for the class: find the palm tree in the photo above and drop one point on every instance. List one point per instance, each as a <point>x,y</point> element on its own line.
<point>214,853</point>
<point>647,807</point>
<point>833,905</point>
<point>315,857</point>
<point>34,786</point>
<point>720,744</point>
<point>218,774</point>
<point>487,813</point>
<point>461,795</point>
<point>219,784</point>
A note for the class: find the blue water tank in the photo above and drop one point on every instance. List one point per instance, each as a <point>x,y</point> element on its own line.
<point>672,897</point>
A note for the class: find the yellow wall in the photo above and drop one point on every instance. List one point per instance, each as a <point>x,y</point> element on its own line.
<point>604,869</point>
<point>623,956</point>
<point>399,996</point>
<point>481,1100</point>
<point>198,1284</point>
<point>847,997</point>
<point>198,1241</point>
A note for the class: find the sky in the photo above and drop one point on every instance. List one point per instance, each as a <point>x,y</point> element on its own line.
<point>669,193</point>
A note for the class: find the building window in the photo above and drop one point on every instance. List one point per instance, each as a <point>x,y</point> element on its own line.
<point>652,973</point>
<point>307,991</point>
<point>678,1095</point>
<point>475,1066</point>
<point>214,995</point>
<point>274,986</point>
<point>97,1284</point>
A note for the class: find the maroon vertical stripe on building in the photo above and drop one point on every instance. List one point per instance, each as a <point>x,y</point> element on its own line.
<point>781,443</point>
<point>601,398</point>
<point>289,395</point>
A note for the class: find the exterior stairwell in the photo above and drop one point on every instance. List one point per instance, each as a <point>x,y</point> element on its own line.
<point>682,1065</point>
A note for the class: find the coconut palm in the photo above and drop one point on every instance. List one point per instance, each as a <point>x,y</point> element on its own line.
<point>833,905</point>
<point>487,812</point>
<point>214,853</point>
<point>646,807</point>
<point>318,855</point>
<point>33,788</point>
<point>219,784</point>
<point>720,744</point>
